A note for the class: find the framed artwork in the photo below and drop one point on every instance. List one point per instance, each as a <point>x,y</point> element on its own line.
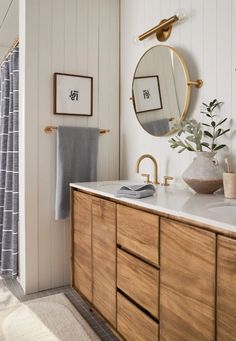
<point>73,94</point>
<point>146,94</point>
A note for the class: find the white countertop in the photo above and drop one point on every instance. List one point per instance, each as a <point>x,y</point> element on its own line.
<point>210,209</point>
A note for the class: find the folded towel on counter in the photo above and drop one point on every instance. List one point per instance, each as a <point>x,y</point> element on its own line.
<point>77,150</point>
<point>136,191</point>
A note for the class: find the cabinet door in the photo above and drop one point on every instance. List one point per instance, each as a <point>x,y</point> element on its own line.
<point>226,289</point>
<point>104,258</point>
<point>187,283</point>
<point>81,244</point>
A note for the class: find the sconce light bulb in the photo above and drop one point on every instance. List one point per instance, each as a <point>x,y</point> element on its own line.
<point>181,13</point>
<point>136,41</point>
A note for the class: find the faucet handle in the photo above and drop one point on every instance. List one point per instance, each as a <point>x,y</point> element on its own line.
<point>147,178</point>
<point>166,180</point>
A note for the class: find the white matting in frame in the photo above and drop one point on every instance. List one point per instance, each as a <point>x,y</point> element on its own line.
<point>147,95</point>
<point>73,94</point>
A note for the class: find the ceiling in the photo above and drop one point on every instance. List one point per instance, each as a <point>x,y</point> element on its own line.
<point>9,24</point>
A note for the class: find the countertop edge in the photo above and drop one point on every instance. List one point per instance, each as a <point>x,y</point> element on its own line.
<point>191,219</point>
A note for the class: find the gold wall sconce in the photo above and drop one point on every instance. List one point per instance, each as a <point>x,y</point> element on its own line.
<point>164,28</point>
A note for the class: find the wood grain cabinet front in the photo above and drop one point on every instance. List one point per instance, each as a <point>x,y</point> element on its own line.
<point>104,258</point>
<point>81,244</point>
<point>138,269</point>
<point>226,289</point>
<point>187,282</point>
<point>138,280</point>
<point>133,324</point>
<point>94,252</point>
<point>138,232</point>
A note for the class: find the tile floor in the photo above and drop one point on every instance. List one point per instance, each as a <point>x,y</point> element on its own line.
<point>94,320</point>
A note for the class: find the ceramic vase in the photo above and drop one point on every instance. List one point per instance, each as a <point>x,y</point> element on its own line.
<point>204,175</point>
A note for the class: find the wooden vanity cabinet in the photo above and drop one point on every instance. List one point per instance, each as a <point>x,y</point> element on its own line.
<point>104,258</point>
<point>133,323</point>
<point>137,274</point>
<point>187,282</point>
<point>139,281</point>
<point>138,232</point>
<point>82,244</point>
<point>94,252</point>
<point>153,278</point>
<point>226,289</point>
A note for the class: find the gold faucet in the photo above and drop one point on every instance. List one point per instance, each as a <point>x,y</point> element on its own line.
<point>148,156</point>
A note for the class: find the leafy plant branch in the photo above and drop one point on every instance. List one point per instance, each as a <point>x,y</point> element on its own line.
<point>196,131</point>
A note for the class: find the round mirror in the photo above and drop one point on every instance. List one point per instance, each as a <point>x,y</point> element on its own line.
<point>160,90</point>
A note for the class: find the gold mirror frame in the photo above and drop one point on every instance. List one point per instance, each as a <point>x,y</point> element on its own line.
<point>198,84</point>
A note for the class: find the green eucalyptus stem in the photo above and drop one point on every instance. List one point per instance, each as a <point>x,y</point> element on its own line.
<point>213,132</point>
<point>195,139</point>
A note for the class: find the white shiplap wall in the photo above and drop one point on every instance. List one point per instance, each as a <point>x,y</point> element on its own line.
<point>72,36</point>
<point>207,42</point>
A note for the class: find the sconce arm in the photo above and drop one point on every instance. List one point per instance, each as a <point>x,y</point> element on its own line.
<point>198,83</point>
<point>164,24</point>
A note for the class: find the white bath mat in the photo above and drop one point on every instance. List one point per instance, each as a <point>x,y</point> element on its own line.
<point>51,318</point>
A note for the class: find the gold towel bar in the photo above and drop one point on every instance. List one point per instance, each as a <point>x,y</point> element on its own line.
<point>50,129</point>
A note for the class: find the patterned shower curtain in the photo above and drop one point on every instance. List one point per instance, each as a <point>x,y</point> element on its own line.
<point>9,152</point>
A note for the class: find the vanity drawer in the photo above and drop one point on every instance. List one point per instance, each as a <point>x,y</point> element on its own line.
<point>138,232</point>
<point>138,280</point>
<point>132,323</point>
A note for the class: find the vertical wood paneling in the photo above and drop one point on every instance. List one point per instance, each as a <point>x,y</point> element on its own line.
<point>108,87</point>
<point>58,64</point>
<point>70,67</point>
<point>44,88</point>
<point>104,78</point>
<point>205,40</point>
<point>211,30</point>
<point>93,56</point>
<point>224,58</point>
<point>233,83</point>
<point>30,118</point>
<point>64,36</point>
<point>197,28</point>
<point>82,46</point>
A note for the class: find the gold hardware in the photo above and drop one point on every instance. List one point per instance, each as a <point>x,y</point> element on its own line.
<point>104,131</point>
<point>162,34</point>
<point>50,129</point>
<point>164,28</point>
<point>166,179</point>
<point>188,83</point>
<point>198,83</point>
<point>148,156</point>
<point>148,178</point>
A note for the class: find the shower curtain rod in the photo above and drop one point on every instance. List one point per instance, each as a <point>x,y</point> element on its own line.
<point>14,44</point>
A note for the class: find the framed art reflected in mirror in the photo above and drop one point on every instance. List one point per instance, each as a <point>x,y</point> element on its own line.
<point>147,95</point>
<point>161,90</point>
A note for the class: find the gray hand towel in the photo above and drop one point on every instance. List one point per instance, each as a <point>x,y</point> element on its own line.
<point>77,150</point>
<point>158,127</point>
<point>136,191</point>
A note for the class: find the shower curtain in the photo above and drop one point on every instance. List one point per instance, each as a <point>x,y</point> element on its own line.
<point>9,152</point>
